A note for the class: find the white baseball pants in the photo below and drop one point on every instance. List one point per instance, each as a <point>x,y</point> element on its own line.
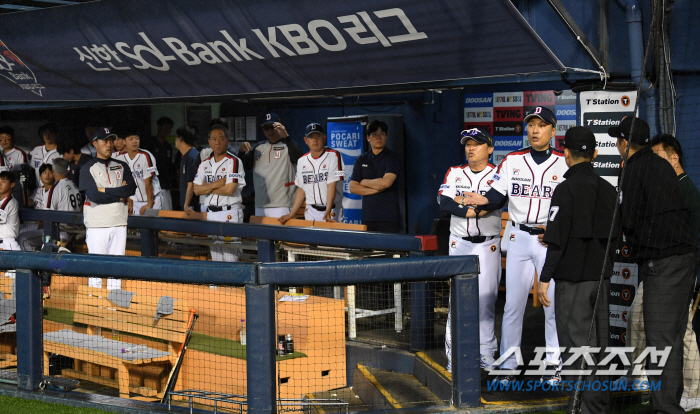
<point>157,205</point>
<point>489,253</point>
<point>526,255</point>
<point>106,240</point>
<point>275,212</point>
<point>311,213</point>
<point>222,251</point>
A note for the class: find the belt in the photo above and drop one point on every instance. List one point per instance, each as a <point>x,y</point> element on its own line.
<point>478,239</point>
<point>217,208</point>
<point>319,207</point>
<point>527,229</point>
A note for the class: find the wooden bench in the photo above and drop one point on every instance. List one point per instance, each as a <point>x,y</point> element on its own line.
<point>146,376</point>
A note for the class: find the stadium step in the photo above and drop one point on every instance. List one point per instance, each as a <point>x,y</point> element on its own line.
<point>382,388</point>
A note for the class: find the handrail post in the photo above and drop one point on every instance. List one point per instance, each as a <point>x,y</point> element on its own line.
<point>466,375</point>
<point>30,342</point>
<point>422,312</point>
<point>260,349</point>
<point>149,243</point>
<point>50,229</point>
<point>266,251</point>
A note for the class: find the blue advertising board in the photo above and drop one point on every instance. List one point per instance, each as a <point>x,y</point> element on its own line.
<point>346,138</point>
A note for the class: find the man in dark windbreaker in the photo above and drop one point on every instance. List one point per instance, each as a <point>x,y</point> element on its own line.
<point>578,226</point>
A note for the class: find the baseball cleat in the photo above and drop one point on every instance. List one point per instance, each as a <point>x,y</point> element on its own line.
<point>553,375</point>
<point>504,380</point>
<point>486,362</point>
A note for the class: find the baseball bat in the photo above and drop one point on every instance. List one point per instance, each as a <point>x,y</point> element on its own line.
<point>172,379</point>
<point>695,305</point>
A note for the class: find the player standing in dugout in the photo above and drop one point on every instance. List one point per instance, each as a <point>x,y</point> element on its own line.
<point>527,178</point>
<point>273,162</point>
<point>475,232</point>
<point>578,226</point>
<point>320,175</point>
<point>107,184</point>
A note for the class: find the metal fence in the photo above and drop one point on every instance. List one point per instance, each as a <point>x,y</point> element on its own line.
<point>268,292</point>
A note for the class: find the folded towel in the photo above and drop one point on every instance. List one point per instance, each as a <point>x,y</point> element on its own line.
<point>165,307</point>
<point>120,297</point>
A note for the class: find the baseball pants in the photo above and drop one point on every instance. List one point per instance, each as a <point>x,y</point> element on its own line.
<point>668,284</point>
<point>9,243</point>
<point>275,212</point>
<point>312,214</point>
<point>638,340</point>
<point>167,200</point>
<point>106,240</point>
<point>157,205</point>
<point>526,255</point>
<point>221,251</point>
<point>489,253</point>
<point>575,303</point>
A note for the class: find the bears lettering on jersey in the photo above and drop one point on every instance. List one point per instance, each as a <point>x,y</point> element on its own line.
<point>534,191</point>
<point>315,178</point>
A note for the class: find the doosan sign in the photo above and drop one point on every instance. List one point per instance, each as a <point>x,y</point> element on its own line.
<point>130,49</point>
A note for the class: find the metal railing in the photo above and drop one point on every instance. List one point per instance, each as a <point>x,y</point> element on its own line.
<point>260,281</point>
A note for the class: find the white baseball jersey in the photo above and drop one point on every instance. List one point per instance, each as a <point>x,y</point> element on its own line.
<point>15,158</point>
<point>39,156</point>
<point>460,180</point>
<point>231,168</point>
<point>314,175</point>
<point>4,163</point>
<point>143,166</point>
<point>9,218</point>
<point>64,196</point>
<point>41,198</point>
<point>529,186</point>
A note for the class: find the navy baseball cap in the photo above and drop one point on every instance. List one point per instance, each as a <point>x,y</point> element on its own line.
<point>478,135</point>
<point>270,118</point>
<point>633,130</point>
<point>313,127</point>
<point>544,114</point>
<point>103,133</point>
<point>579,138</point>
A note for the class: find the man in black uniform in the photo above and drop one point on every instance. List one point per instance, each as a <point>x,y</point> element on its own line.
<point>374,178</point>
<point>577,233</point>
<point>656,223</point>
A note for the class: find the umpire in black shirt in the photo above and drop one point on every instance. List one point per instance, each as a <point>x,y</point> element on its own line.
<point>578,226</point>
<point>657,227</point>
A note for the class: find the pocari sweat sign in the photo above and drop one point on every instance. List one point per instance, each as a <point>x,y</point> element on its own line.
<point>346,138</point>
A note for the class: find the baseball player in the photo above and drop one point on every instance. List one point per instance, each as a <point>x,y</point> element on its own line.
<point>44,154</point>
<point>318,174</point>
<point>272,162</point>
<point>107,184</point>
<point>143,167</point>
<point>64,195</point>
<point>221,178</point>
<point>527,179</point>
<point>9,215</point>
<point>15,157</point>
<point>43,193</point>
<point>475,232</point>
<point>119,145</point>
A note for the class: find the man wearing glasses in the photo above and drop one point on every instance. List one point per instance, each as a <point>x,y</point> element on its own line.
<point>273,162</point>
<point>374,178</point>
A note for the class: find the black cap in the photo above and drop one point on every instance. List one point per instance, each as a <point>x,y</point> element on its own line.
<point>103,133</point>
<point>313,127</point>
<point>270,118</point>
<point>478,135</point>
<point>544,114</point>
<point>579,138</point>
<point>636,126</point>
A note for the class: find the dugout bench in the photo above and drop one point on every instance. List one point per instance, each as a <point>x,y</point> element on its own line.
<point>101,360</point>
